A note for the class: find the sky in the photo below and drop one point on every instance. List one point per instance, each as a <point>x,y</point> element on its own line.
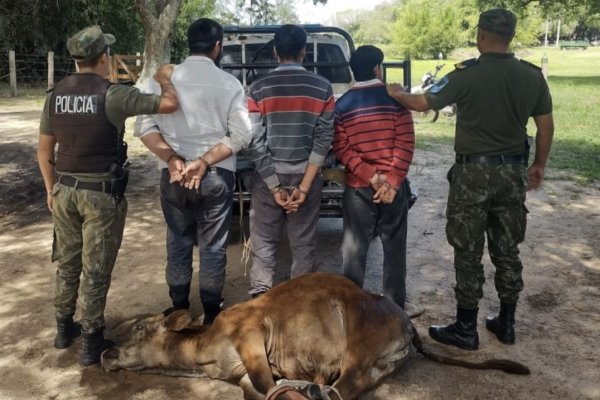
<point>323,14</point>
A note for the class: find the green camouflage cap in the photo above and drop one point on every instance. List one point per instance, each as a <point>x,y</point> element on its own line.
<point>89,43</point>
<point>499,21</point>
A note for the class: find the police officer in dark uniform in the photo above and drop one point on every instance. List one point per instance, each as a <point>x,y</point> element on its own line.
<point>495,95</point>
<point>85,114</point>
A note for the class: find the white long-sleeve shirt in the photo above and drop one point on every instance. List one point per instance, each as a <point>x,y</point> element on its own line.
<point>212,109</point>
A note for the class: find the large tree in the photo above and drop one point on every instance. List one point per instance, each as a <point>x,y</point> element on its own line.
<point>425,28</point>
<point>158,19</point>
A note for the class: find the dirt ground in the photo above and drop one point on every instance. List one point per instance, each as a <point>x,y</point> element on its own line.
<point>558,318</point>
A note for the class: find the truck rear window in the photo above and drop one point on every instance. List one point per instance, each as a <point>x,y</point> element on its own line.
<point>261,54</point>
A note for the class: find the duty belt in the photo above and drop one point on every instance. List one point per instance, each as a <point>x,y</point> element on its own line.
<point>67,180</point>
<point>499,159</point>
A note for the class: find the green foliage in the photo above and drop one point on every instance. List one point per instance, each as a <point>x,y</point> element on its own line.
<point>56,20</point>
<point>369,27</point>
<point>260,12</point>
<point>530,25</point>
<point>425,28</point>
<point>579,18</point>
<point>284,12</point>
<point>191,10</point>
<point>352,20</point>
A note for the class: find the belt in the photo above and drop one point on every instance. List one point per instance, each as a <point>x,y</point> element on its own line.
<point>469,159</point>
<point>67,180</point>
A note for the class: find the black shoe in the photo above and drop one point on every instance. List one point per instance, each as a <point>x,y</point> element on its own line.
<point>462,333</point>
<point>66,332</point>
<point>92,346</point>
<point>210,313</point>
<point>503,324</point>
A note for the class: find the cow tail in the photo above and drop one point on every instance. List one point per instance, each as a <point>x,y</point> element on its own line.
<point>509,366</point>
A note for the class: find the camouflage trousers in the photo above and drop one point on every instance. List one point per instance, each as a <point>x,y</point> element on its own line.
<point>88,229</point>
<point>486,199</point>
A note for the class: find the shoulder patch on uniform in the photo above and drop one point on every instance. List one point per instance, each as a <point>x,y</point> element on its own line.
<point>530,64</point>
<point>466,63</point>
<point>439,85</point>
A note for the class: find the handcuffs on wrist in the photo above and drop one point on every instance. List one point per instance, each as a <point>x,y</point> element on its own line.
<point>288,189</point>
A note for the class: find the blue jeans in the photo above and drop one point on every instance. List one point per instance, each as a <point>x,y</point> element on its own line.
<point>197,217</point>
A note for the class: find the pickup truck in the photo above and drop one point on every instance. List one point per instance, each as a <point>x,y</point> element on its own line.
<point>248,55</point>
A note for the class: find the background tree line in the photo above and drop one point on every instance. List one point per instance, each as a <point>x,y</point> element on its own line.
<point>424,28</point>
<point>405,28</point>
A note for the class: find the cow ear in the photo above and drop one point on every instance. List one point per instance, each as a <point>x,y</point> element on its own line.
<point>178,320</point>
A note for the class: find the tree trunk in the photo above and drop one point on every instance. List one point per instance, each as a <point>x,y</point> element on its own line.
<point>158,18</point>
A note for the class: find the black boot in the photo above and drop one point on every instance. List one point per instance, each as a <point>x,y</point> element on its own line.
<point>210,313</point>
<point>92,346</point>
<point>462,333</point>
<point>66,332</point>
<point>503,325</point>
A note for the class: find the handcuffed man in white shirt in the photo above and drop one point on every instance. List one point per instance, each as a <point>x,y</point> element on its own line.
<point>196,147</point>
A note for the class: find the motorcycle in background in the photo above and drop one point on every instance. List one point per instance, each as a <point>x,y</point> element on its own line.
<point>427,81</point>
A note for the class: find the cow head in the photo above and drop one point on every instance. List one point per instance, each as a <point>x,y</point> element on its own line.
<point>152,342</point>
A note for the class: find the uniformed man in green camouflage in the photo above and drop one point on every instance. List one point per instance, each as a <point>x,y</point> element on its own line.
<point>85,184</point>
<point>495,95</point>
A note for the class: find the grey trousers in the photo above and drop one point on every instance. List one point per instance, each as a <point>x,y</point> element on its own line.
<point>267,221</point>
<point>363,220</point>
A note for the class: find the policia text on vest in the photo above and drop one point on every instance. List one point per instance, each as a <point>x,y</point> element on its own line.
<point>76,104</point>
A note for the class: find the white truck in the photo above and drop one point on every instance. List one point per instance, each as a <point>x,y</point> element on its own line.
<point>248,55</point>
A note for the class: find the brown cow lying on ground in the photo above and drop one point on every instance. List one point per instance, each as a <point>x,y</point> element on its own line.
<point>318,327</point>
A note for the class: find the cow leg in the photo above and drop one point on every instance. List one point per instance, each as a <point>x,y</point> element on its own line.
<point>248,388</point>
<point>358,380</point>
<point>351,384</point>
<point>250,345</point>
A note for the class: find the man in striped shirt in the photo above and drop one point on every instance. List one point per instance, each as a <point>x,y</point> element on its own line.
<point>374,139</point>
<point>291,111</point>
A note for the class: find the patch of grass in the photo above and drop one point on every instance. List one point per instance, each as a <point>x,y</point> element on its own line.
<point>574,81</point>
<point>27,97</point>
<point>22,91</point>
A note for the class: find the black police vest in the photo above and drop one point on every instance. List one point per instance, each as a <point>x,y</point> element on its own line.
<point>87,141</point>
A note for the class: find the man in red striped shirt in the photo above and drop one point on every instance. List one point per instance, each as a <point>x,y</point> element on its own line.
<point>374,139</point>
<point>291,111</point>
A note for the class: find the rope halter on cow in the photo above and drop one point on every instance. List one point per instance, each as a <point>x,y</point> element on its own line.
<point>309,390</point>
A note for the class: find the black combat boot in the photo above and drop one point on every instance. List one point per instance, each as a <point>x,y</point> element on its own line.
<point>92,346</point>
<point>462,333</point>
<point>503,324</point>
<point>66,332</point>
<point>210,313</point>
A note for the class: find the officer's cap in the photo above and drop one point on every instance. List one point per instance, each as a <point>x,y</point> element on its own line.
<point>499,21</point>
<point>88,43</point>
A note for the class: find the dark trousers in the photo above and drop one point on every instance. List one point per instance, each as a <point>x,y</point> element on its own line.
<point>201,216</point>
<point>363,220</point>
<point>267,221</point>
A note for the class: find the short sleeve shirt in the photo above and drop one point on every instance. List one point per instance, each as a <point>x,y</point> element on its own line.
<point>122,102</point>
<point>495,96</point>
